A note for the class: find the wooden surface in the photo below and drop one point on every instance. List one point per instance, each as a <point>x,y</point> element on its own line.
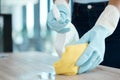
<point>13,66</point>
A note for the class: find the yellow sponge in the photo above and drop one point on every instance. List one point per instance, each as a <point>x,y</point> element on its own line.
<point>66,65</point>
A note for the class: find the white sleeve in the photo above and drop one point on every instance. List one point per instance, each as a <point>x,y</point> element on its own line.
<point>109,18</point>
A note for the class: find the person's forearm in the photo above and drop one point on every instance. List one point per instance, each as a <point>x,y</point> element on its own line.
<point>110,16</point>
<point>116,3</point>
<point>65,0</point>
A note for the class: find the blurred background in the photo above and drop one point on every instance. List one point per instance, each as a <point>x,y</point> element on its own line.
<point>23,26</point>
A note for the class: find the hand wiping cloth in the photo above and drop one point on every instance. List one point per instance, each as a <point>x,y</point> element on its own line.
<point>66,65</point>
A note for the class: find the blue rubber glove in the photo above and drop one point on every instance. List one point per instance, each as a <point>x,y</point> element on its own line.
<point>59,17</point>
<point>104,27</point>
<point>94,53</point>
<point>59,21</point>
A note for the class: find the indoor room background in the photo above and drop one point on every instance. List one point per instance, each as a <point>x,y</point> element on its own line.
<point>29,31</point>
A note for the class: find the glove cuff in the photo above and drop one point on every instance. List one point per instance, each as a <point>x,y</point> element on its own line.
<point>109,18</point>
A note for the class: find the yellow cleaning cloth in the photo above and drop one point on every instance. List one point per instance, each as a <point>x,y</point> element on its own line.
<point>66,65</point>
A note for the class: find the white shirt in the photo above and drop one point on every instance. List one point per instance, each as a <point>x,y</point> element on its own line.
<point>88,1</point>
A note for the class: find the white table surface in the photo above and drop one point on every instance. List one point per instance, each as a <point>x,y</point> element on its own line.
<point>15,65</point>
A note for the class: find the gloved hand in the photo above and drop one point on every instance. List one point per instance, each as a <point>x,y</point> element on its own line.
<point>95,37</point>
<point>59,21</point>
<point>94,53</point>
<point>59,16</point>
